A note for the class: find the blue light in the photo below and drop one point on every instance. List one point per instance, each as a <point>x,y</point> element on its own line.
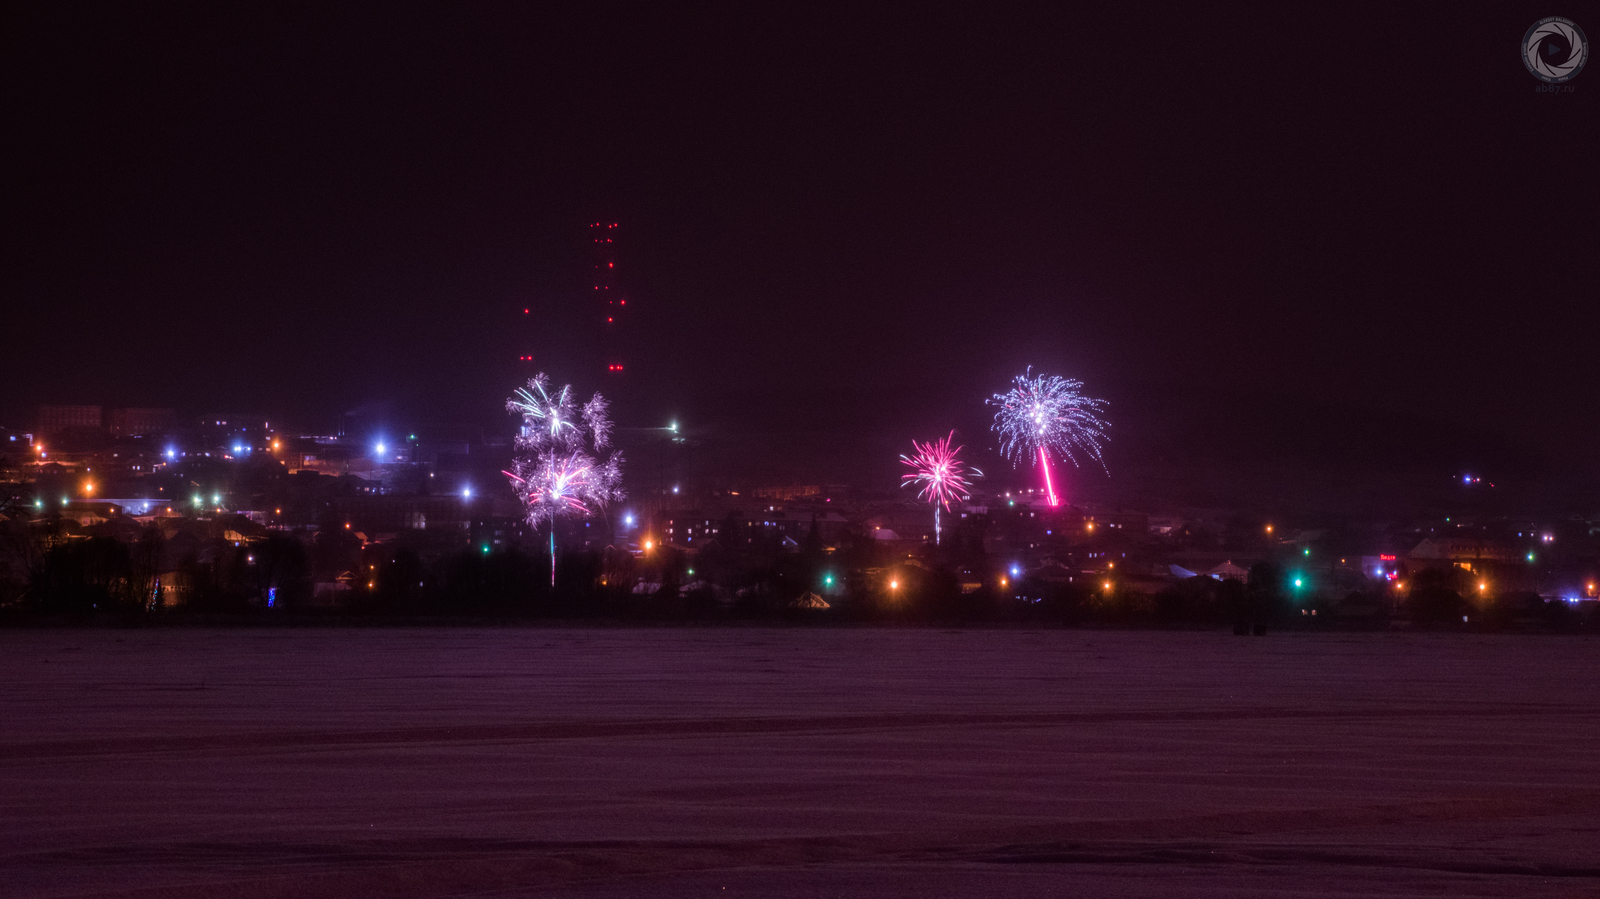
<point>1016,570</point>
<point>172,454</point>
<point>380,448</point>
<point>628,519</point>
<point>272,596</point>
<point>466,493</point>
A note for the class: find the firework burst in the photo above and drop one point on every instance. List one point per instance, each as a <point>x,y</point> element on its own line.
<point>555,470</point>
<point>555,485</point>
<point>1045,414</point>
<point>938,470</point>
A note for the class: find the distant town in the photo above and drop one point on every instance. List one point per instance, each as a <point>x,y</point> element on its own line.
<point>145,512</point>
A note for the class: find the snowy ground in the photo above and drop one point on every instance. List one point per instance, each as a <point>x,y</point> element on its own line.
<point>788,763</point>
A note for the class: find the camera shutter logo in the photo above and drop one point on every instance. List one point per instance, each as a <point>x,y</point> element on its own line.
<point>1554,49</point>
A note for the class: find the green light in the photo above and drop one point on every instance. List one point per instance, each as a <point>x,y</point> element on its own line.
<point>1307,550</point>
<point>1530,557</point>
<point>1297,583</point>
<point>691,571</point>
<point>486,549</point>
<point>828,580</point>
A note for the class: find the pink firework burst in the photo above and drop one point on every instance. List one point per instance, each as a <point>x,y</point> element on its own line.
<point>937,469</point>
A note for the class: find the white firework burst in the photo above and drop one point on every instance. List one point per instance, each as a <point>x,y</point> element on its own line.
<point>558,469</point>
<point>1049,413</point>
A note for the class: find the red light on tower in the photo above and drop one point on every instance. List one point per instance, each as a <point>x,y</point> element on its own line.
<point>606,286</point>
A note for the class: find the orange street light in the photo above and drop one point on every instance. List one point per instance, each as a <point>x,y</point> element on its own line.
<point>1107,585</point>
<point>894,585</point>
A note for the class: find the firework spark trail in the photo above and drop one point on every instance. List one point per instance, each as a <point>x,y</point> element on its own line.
<point>938,469</point>
<point>1042,414</point>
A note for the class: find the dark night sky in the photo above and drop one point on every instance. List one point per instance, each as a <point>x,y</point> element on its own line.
<point>1306,223</point>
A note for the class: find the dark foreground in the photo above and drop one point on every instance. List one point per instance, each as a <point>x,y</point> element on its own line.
<point>776,763</point>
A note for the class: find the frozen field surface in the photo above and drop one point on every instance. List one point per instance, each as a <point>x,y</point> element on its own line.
<point>788,763</point>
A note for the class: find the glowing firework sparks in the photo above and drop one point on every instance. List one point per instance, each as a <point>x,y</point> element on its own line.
<point>552,419</point>
<point>559,484</point>
<point>1042,414</point>
<point>553,471</point>
<point>938,470</point>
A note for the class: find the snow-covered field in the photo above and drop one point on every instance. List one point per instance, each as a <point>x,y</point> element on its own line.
<point>778,763</point>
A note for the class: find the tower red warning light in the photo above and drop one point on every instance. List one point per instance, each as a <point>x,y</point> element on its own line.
<point>606,289</point>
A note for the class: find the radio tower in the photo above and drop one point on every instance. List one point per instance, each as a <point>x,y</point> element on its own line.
<point>611,304</point>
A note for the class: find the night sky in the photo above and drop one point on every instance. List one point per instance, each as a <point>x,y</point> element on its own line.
<point>1350,241</point>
